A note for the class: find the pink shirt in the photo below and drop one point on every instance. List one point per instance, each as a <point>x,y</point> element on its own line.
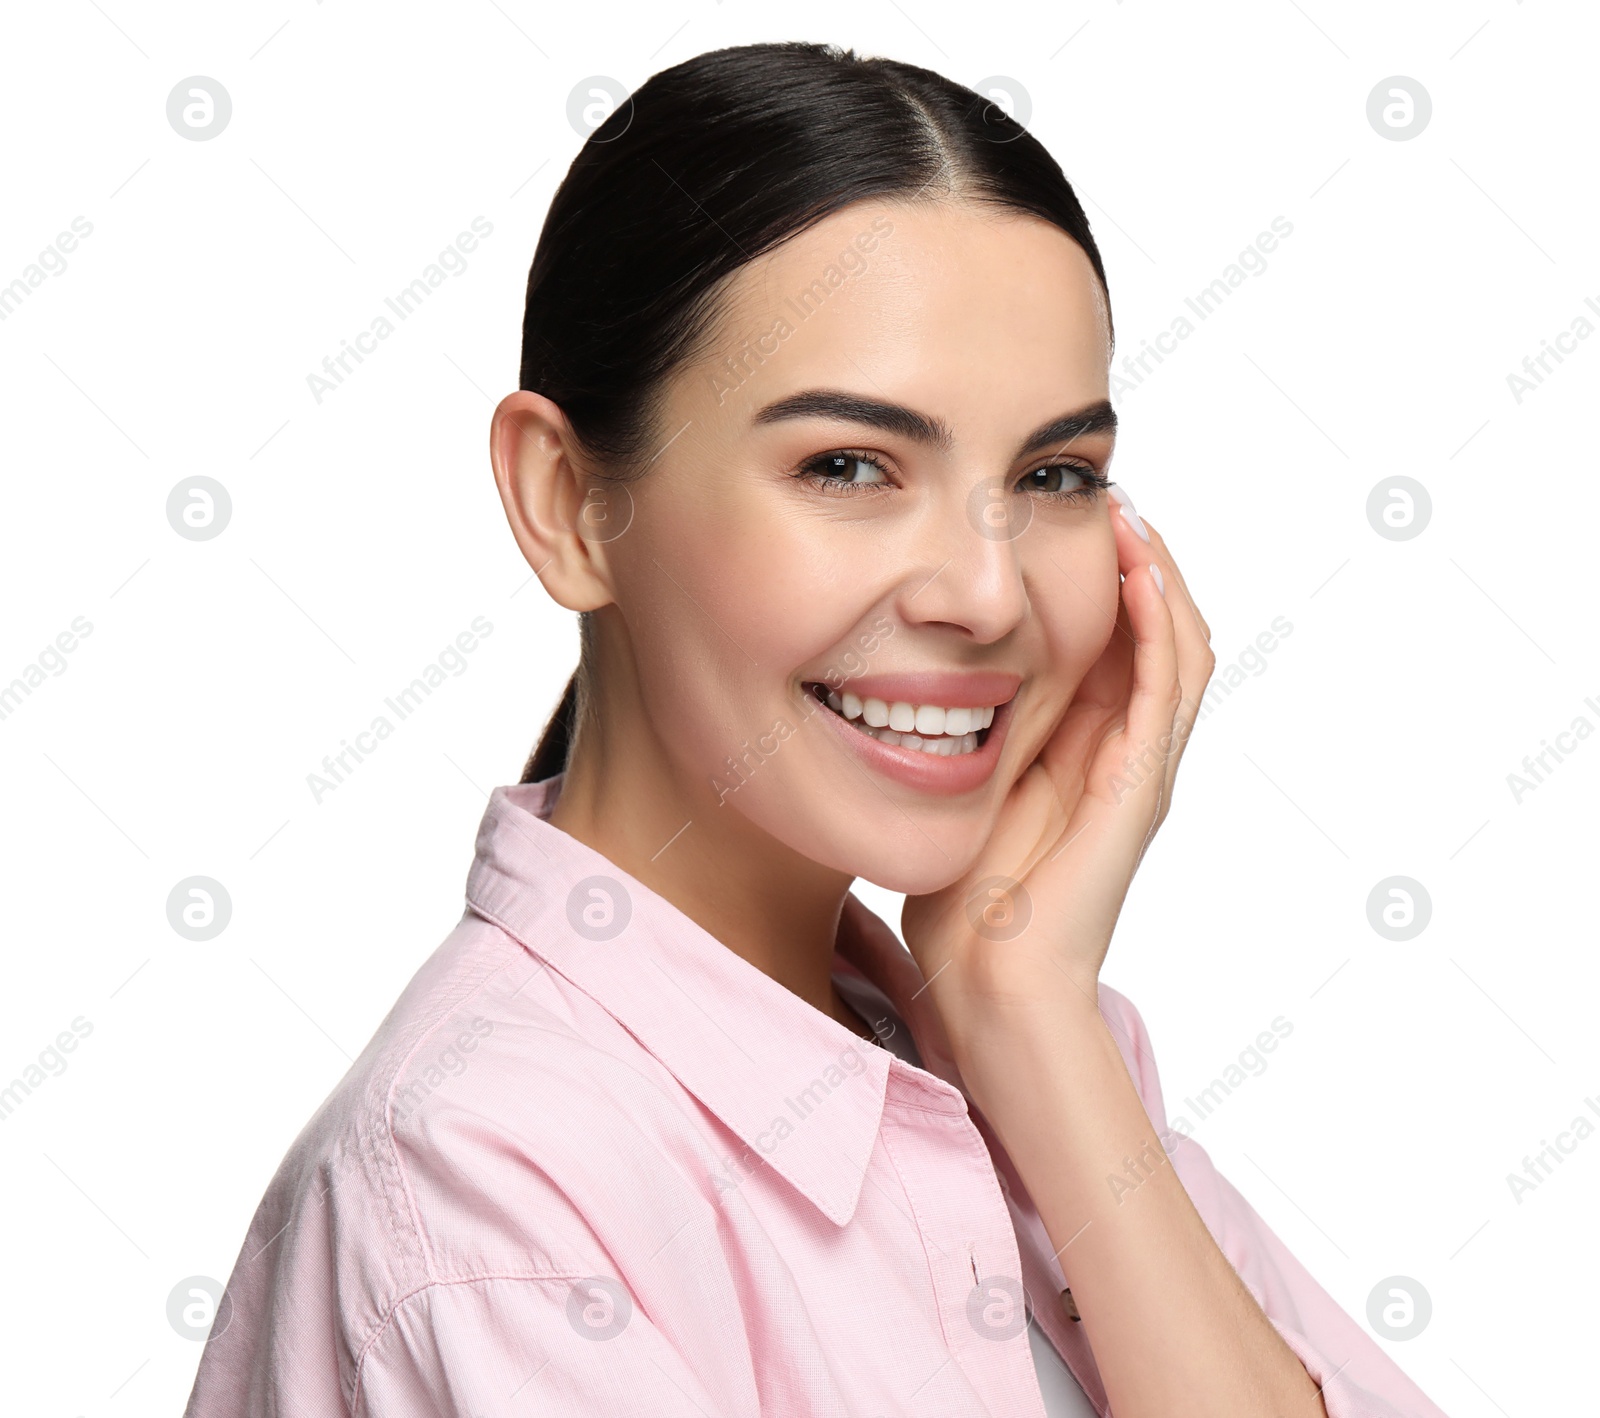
<point>595,1163</point>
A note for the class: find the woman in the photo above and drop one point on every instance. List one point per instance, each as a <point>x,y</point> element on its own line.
<point>813,432</point>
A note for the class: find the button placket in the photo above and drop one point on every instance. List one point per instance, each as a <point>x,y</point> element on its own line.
<point>971,1247</point>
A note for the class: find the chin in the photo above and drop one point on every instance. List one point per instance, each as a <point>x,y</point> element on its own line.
<point>919,879</point>
<point>884,847</point>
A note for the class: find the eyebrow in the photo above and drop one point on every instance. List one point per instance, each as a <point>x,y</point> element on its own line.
<point>1098,417</point>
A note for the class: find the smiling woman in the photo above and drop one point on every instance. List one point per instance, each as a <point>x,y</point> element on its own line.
<point>727,1145</point>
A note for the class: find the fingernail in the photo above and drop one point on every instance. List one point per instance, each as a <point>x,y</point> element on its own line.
<point>1129,515</point>
<point>1161,584</point>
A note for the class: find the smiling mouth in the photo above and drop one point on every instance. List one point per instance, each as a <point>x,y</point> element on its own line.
<point>928,728</point>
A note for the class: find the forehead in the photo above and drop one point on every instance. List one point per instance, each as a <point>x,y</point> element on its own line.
<point>980,308</point>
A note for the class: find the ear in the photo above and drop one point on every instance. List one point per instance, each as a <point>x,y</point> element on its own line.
<point>543,488</point>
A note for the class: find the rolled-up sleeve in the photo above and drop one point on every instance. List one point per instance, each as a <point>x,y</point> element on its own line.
<point>556,1346</point>
<point>1358,1379</point>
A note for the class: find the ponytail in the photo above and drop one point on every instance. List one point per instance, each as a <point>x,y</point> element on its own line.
<point>549,756</point>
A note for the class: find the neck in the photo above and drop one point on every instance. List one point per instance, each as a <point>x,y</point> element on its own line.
<point>761,899</point>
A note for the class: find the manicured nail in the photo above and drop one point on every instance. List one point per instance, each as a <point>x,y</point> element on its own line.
<point>1161,584</point>
<point>1130,516</point>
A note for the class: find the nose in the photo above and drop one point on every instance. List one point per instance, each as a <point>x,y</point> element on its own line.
<point>963,562</point>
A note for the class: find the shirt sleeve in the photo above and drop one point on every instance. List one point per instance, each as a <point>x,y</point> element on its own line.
<point>1357,1378</point>
<point>556,1346</point>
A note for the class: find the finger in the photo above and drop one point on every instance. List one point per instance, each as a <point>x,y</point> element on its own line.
<point>1092,859</point>
<point>1124,505</point>
<point>1175,573</point>
<point>1155,690</point>
<point>1196,661</point>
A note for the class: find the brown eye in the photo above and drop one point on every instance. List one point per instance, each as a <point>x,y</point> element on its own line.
<point>1064,482</point>
<point>845,470</point>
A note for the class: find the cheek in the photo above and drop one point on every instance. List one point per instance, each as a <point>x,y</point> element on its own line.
<point>771,600</point>
<point>720,616</point>
<point>1081,595</point>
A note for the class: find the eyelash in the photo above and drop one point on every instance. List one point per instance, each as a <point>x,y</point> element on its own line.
<point>813,471</point>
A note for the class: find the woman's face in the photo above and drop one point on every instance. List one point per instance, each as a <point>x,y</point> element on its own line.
<point>883,478</point>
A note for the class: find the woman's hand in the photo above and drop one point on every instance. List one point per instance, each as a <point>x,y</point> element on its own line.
<point>1172,1326</point>
<point>1030,923</point>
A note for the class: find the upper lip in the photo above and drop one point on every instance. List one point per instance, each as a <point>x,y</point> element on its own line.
<point>950,689</point>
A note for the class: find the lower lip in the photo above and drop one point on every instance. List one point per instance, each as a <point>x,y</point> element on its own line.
<point>927,772</point>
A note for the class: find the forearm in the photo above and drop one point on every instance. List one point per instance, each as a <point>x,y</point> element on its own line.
<point>1173,1329</point>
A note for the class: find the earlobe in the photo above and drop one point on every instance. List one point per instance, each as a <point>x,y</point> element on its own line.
<point>532,451</point>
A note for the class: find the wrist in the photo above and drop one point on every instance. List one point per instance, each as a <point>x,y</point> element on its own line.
<point>996,1045</point>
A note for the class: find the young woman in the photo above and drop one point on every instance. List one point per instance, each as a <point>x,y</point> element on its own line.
<point>813,433</point>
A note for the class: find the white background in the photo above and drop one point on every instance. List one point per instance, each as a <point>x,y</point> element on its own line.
<point>366,534</point>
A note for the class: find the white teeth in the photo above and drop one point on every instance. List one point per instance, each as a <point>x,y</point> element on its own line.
<point>939,747</point>
<point>928,728</point>
<point>927,720</point>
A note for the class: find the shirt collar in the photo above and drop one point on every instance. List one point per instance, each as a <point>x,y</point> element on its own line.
<point>799,1089</point>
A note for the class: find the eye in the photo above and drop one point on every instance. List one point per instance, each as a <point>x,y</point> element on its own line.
<point>1065,482</point>
<point>843,471</point>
